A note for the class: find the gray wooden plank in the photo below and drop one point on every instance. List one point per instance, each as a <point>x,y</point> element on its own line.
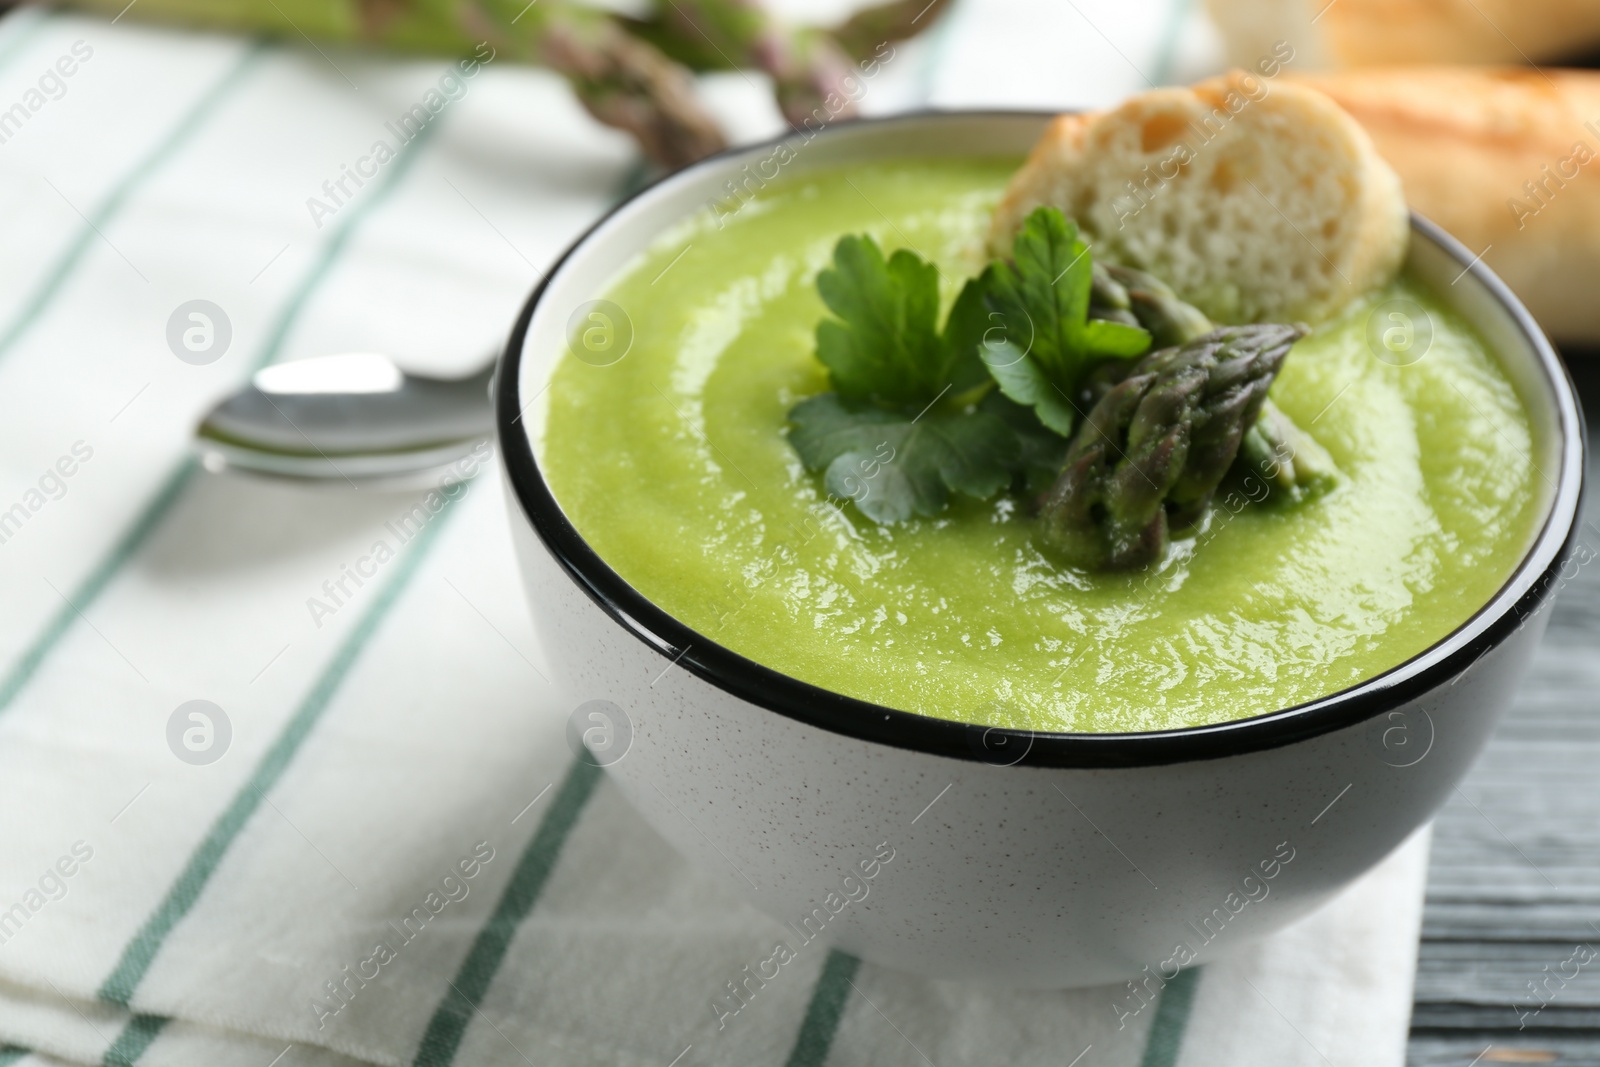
<point>1492,1049</point>
<point>1514,883</point>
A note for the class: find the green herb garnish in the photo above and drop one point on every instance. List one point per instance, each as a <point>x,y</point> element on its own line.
<point>895,465</point>
<point>1042,301</point>
<point>891,438</point>
<point>994,399</point>
<point>886,346</point>
<point>916,413</point>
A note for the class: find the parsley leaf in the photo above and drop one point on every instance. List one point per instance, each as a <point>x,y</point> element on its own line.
<point>1024,381</point>
<point>1042,301</point>
<point>894,465</point>
<point>885,345</point>
<point>1041,451</point>
<point>888,438</point>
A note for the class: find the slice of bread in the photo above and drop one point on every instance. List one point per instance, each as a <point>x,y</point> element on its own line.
<point>1255,200</point>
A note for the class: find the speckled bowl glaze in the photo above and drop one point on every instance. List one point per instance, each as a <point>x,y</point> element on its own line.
<point>970,853</point>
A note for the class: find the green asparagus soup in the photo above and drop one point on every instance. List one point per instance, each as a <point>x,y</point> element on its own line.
<point>673,464</point>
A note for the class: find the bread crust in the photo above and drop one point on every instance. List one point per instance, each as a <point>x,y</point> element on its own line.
<point>1506,160</point>
<point>1085,162</point>
<point>1350,33</point>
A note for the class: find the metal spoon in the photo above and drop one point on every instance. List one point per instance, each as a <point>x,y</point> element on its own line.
<point>354,417</point>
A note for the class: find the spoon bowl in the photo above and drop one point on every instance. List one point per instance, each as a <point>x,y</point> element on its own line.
<point>355,418</point>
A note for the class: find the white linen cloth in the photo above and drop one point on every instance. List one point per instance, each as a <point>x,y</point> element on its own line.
<point>394,767</point>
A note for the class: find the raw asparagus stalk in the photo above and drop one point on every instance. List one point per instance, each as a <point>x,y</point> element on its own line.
<point>627,83</point>
<point>1153,450</point>
<point>420,27</point>
<point>630,73</point>
<point>622,79</point>
<point>863,34</point>
<point>810,72</point>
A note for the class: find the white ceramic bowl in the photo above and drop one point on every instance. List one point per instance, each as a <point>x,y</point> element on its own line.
<point>1028,859</point>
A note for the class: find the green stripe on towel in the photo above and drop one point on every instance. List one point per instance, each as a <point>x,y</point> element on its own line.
<point>442,1039</point>
<point>825,1011</point>
<point>137,1036</point>
<point>449,1023</point>
<point>10,1054</point>
<point>337,242</point>
<point>21,672</point>
<point>828,999</point>
<point>141,951</point>
<point>1161,1048</point>
<point>101,216</point>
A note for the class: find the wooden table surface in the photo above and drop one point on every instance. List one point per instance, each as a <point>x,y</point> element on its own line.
<point>1514,886</point>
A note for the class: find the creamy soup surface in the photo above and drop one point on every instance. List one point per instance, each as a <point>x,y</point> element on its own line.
<point>672,463</point>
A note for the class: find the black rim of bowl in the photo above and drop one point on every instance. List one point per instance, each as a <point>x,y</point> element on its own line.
<point>774,691</point>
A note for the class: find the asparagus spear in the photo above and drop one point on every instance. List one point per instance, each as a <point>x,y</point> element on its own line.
<point>627,83</point>
<point>814,71</point>
<point>1152,451</point>
<point>864,34</point>
<point>809,70</point>
<point>633,74</point>
<point>1276,449</point>
<point>1151,303</point>
<point>622,80</point>
<point>1285,456</point>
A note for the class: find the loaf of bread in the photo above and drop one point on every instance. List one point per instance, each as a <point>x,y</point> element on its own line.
<point>1256,198</point>
<point>1351,33</point>
<point>1506,160</point>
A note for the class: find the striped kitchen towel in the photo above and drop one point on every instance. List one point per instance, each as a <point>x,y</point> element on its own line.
<point>282,781</point>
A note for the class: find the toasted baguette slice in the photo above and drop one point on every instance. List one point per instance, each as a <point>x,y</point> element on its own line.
<point>1353,33</point>
<point>1255,200</point>
<point>1508,161</point>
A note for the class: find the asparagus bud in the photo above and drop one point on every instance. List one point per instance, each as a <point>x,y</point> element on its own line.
<point>627,83</point>
<point>1151,452</point>
<point>812,77</point>
<point>864,34</point>
<point>811,74</point>
<point>1105,291</point>
<point>1113,314</point>
<point>1157,308</point>
<point>1286,457</point>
